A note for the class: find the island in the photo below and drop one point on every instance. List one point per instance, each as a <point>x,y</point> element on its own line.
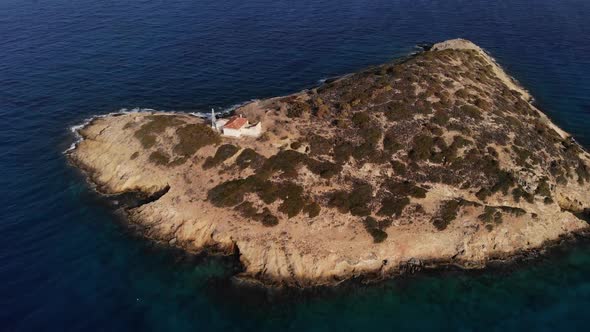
<point>439,158</point>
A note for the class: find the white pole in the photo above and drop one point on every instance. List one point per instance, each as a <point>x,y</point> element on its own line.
<point>213,118</point>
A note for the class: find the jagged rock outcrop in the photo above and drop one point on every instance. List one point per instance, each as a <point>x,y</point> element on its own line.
<point>438,157</point>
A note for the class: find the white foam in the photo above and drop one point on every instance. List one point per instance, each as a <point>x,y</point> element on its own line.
<point>75,129</point>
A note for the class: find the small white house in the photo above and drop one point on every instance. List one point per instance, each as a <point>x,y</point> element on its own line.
<point>235,126</point>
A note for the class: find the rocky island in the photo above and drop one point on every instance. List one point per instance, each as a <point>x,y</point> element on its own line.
<point>437,158</point>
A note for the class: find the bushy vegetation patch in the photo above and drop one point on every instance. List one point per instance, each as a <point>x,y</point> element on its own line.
<point>286,161</point>
<point>343,151</point>
<point>361,120</point>
<point>422,147</point>
<point>159,158</point>
<point>194,136</point>
<point>325,169</point>
<point>372,226</point>
<point>390,143</point>
<point>356,201</point>
<point>441,117</point>
<point>231,193</point>
<point>298,109</point>
<point>404,188</point>
<point>224,152</point>
<point>398,167</point>
<point>491,215</point>
<point>447,212</point>
<point>312,209</point>
<point>156,124</point>
<point>519,192</point>
<point>249,158</point>
<point>293,201</point>
<point>319,145</point>
<point>393,205</point>
<point>543,188</point>
<point>583,173</point>
<point>471,111</point>
<point>247,210</point>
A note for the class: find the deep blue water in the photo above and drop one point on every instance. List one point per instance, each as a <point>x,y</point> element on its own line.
<point>67,263</point>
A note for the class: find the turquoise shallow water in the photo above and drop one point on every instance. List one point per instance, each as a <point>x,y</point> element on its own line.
<point>67,263</point>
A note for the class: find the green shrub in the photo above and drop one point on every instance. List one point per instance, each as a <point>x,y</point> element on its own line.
<point>371,135</point>
<point>404,188</point>
<point>518,193</point>
<point>292,196</point>
<point>440,118</point>
<point>471,111</point>
<point>461,94</point>
<point>543,188</point>
<point>268,219</point>
<point>522,156</point>
<point>159,158</point>
<point>356,202</point>
<point>378,235</point>
<point>390,144</point>
<point>339,200</point>
<point>319,145</point>
<point>312,209</point>
<point>392,205</point>
<point>517,212</point>
<point>224,152</point>
<point>194,136</point>
<point>247,210</point>
<point>483,194</point>
<point>249,158</point>
<point>583,173</point>
<point>286,161</point>
<point>447,212</point>
<point>504,181</point>
<point>398,112</point>
<point>359,198</point>
<point>372,227</point>
<point>398,167</point>
<point>491,215</point>
<point>229,193</point>
<point>325,169</point>
<point>422,147</point>
<point>298,109</point>
<point>156,124</point>
<point>365,151</point>
<point>483,104</point>
<point>361,120</point>
<point>343,151</point>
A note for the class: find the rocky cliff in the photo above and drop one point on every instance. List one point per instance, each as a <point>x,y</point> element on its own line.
<point>438,157</point>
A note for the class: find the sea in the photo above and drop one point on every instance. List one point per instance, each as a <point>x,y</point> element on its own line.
<point>69,263</point>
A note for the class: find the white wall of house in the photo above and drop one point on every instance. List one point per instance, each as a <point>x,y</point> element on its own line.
<point>253,131</point>
<point>232,132</point>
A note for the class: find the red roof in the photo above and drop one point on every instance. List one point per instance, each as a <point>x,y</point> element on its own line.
<point>236,122</point>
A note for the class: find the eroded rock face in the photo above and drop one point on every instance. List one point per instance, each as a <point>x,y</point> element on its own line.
<point>437,157</point>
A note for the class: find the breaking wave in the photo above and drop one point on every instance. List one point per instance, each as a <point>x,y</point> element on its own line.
<point>75,129</point>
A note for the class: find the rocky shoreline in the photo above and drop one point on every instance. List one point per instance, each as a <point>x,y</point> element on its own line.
<point>407,269</point>
<point>343,187</point>
<point>413,266</point>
